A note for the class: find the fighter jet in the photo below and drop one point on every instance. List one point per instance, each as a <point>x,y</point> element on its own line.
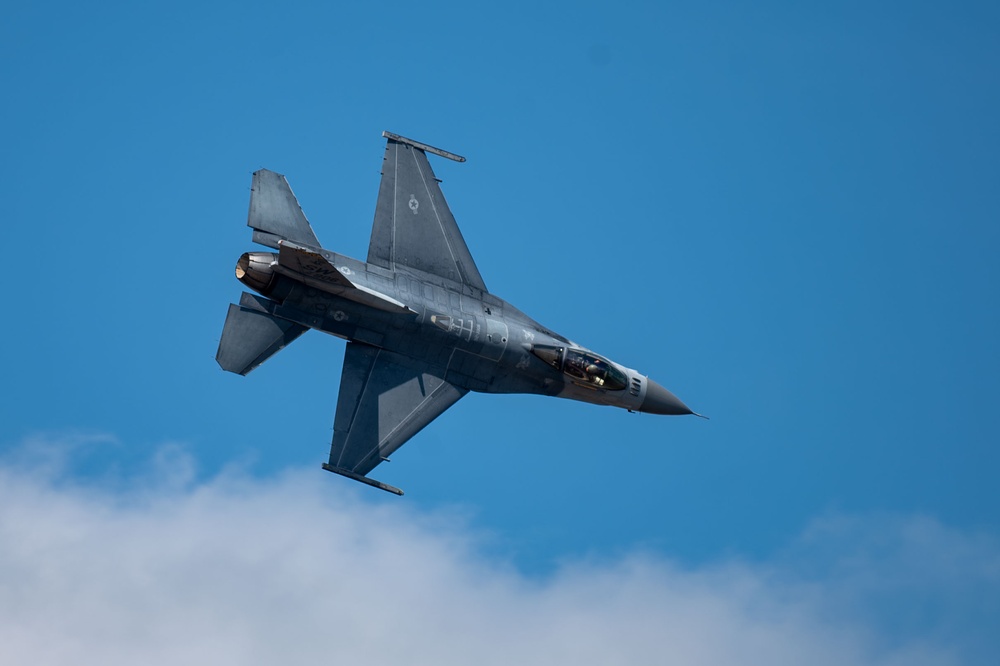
<point>422,329</point>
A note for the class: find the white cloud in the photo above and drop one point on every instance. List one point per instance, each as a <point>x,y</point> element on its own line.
<point>296,569</point>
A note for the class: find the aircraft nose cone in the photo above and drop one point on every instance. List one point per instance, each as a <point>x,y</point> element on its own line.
<point>659,400</point>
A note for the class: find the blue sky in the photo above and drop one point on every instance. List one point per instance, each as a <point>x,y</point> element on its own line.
<point>794,219</point>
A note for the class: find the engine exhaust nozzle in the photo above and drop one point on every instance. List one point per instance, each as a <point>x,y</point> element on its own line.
<point>254,270</point>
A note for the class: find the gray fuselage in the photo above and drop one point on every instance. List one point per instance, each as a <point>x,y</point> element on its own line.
<point>479,341</point>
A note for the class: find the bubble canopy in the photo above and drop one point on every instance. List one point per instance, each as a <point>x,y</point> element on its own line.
<point>583,367</point>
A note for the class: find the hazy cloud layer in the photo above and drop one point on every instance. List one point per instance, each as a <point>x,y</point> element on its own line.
<point>302,569</point>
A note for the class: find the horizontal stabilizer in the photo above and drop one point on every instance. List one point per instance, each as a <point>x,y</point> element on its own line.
<point>251,336</point>
<point>275,213</point>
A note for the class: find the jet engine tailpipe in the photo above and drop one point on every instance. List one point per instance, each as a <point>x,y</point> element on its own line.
<point>254,270</point>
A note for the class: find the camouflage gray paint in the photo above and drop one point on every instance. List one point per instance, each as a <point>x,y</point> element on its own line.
<point>423,329</point>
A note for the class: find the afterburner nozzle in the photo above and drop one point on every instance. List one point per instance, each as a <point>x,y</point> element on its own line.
<point>254,270</point>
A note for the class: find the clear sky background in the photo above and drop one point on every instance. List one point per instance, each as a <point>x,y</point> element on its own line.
<point>787,213</point>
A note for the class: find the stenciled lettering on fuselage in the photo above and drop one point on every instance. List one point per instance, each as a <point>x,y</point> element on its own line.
<point>460,327</point>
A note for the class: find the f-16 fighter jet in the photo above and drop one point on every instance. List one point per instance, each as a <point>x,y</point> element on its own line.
<point>422,328</point>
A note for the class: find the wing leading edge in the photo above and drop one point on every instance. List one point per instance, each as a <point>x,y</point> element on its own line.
<point>413,225</point>
<point>385,399</point>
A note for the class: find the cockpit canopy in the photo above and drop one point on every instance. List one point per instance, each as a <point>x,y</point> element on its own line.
<point>583,367</point>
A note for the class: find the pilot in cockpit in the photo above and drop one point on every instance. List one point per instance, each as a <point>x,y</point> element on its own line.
<point>575,366</point>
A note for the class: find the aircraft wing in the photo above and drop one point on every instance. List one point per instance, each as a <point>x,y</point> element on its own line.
<point>385,399</point>
<point>413,226</point>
